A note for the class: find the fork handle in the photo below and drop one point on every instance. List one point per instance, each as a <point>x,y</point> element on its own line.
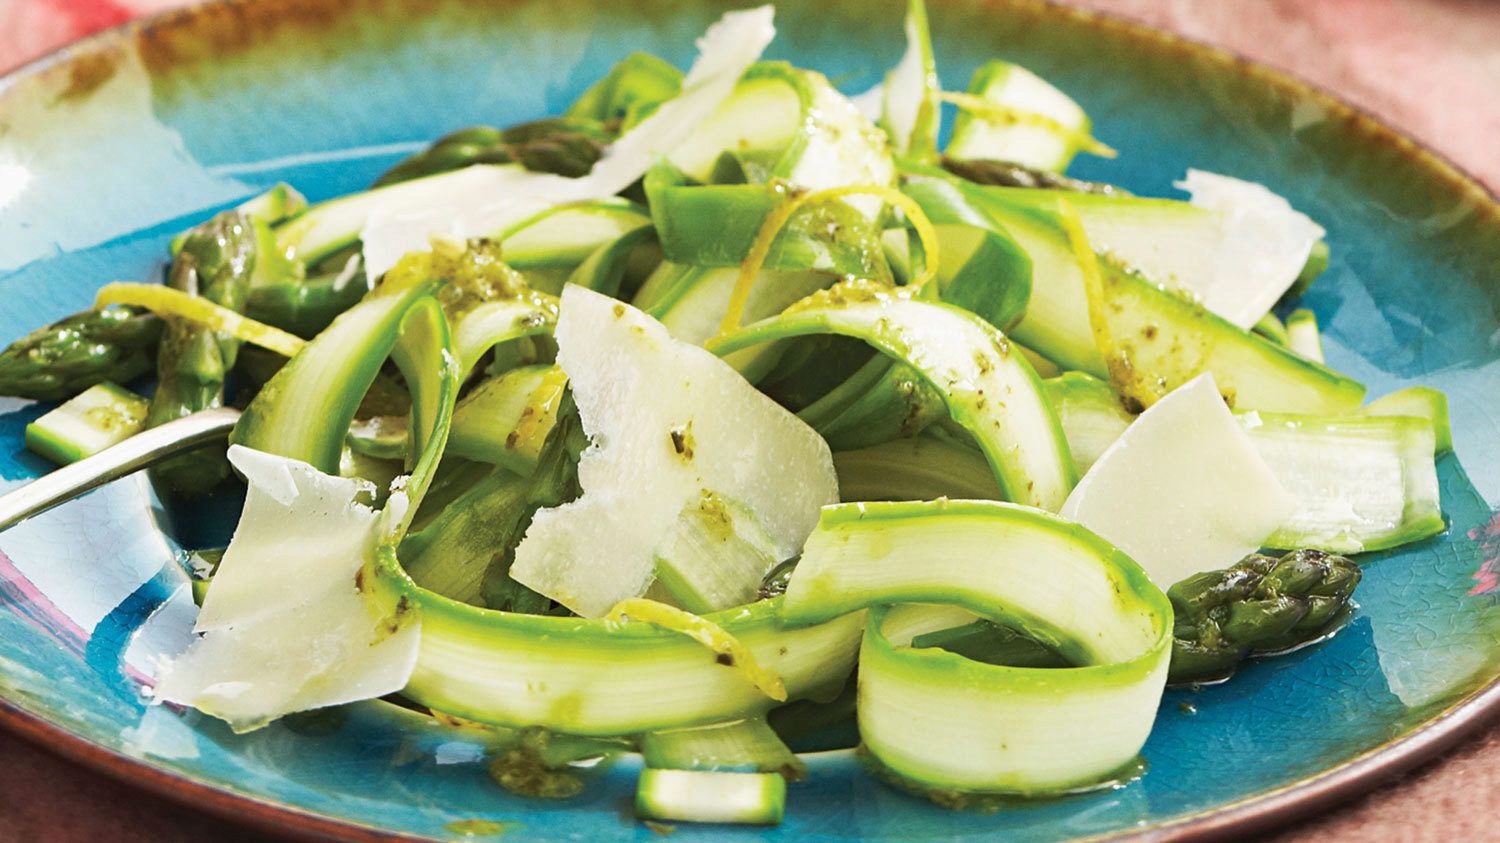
<point>114,462</point>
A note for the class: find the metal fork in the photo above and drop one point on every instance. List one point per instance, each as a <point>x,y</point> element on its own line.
<point>137,452</point>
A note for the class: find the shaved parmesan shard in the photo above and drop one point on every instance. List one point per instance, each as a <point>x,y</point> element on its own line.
<point>476,201</point>
<point>263,568</point>
<point>1183,490</point>
<point>288,623</point>
<point>483,200</point>
<point>1265,244</point>
<point>685,453</point>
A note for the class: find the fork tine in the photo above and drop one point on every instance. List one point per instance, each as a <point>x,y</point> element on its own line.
<point>114,462</point>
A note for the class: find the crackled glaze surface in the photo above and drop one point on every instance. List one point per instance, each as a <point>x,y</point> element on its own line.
<point>115,147</point>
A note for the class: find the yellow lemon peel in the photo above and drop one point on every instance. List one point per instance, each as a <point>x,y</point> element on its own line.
<point>731,652</point>
<point>995,113</point>
<point>779,217</point>
<point>166,301</point>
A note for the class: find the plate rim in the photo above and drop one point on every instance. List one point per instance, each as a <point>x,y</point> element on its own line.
<point>1261,812</point>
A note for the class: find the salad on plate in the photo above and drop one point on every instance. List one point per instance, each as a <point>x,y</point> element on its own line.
<point>725,412</point>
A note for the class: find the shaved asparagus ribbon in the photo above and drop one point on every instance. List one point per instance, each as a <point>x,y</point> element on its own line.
<point>996,113</point>
<point>503,668</point>
<point>987,387</point>
<point>947,723</point>
<point>729,649</point>
<point>166,301</point>
<point>779,217</point>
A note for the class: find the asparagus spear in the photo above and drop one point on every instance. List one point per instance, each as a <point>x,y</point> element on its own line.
<point>59,361</point>
<point>1260,606</point>
<point>306,307</point>
<point>1006,174</point>
<point>567,146</point>
<point>216,261</point>
<point>482,524</point>
<point>452,551</point>
<point>554,482</point>
<point>119,344</point>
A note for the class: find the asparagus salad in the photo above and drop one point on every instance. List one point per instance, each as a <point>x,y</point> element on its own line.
<point>724,412</point>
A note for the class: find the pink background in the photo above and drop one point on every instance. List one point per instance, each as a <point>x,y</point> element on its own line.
<point>1431,67</point>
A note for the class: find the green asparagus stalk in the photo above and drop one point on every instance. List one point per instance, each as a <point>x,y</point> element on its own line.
<point>306,307</point>
<point>1260,606</point>
<point>742,746</point>
<point>116,344</point>
<point>452,551</point>
<point>1006,174</point>
<point>567,146</point>
<point>777,579</point>
<point>554,482</point>
<point>989,642</point>
<point>119,344</point>
<point>481,525</point>
<point>1317,264</point>
<point>216,262</point>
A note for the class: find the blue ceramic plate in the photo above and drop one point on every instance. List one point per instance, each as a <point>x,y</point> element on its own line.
<point>111,146</point>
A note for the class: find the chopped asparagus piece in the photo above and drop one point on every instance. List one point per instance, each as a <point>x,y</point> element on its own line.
<point>98,417</point>
<point>1302,335</point>
<point>1031,123</point>
<point>711,797</point>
